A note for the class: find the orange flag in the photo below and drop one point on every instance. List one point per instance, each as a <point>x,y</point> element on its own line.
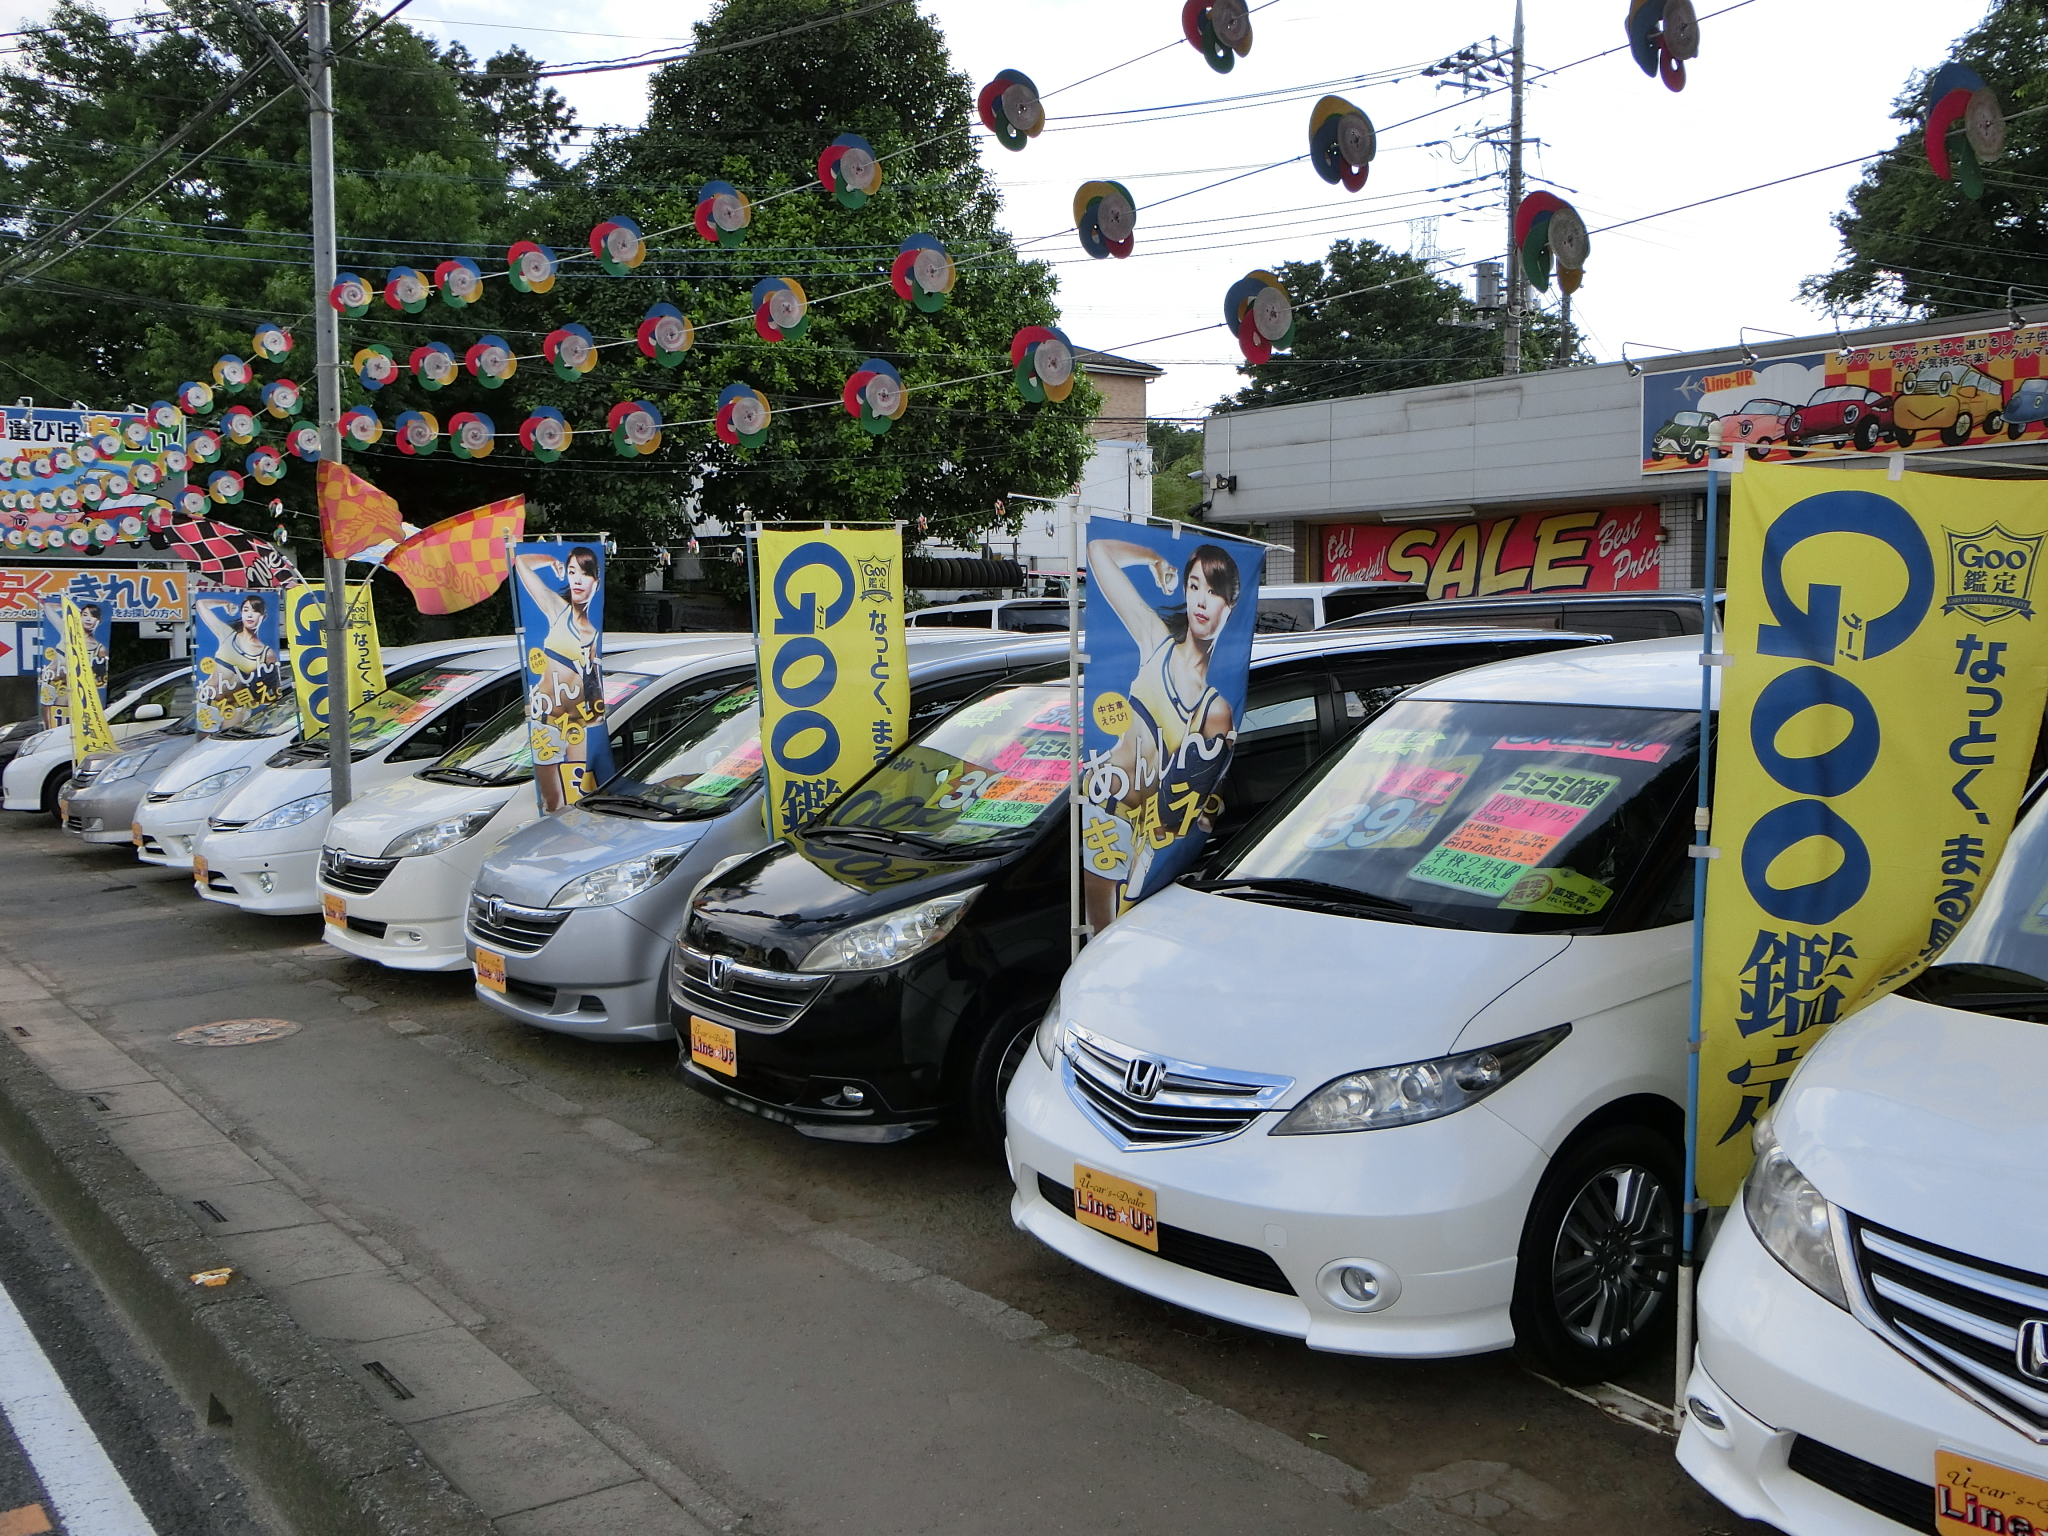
<point>354,514</point>
<point>460,561</point>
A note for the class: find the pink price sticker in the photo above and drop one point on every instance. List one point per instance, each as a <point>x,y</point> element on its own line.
<point>1588,746</point>
<point>1429,786</point>
<point>1521,814</point>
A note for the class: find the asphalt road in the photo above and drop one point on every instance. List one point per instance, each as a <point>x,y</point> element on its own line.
<point>635,1260</point>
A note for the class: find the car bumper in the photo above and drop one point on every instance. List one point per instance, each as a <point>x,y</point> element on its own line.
<point>278,882</point>
<point>105,816</point>
<point>1440,1205</point>
<point>1780,1366</point>
<point>603,976</point>
<point>169,840</point>
<point>21,787</point>
<point>412,921</point>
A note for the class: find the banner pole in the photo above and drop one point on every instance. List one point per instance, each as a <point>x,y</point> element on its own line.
<point>1075,921</point>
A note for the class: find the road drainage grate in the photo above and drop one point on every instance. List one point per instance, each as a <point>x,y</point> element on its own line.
<point>237,1032</point>
<point>382,1372</point>
<point>210,1208</point>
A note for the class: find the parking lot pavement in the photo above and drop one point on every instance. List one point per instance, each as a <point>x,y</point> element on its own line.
<point>696,1312</point>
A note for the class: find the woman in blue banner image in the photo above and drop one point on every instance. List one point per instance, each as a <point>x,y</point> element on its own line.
<point>565,690</point>
<point>1178,722</point>
<point>243,671</point>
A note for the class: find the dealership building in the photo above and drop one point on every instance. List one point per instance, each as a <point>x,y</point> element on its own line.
<point>1593,478</point>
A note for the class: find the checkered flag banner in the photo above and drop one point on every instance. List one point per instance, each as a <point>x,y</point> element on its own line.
<point>459,561</point>
<point>227,556</point>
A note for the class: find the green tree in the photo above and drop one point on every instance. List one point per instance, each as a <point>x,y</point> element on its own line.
<point>1913,244</point>
<point>1176,454</point>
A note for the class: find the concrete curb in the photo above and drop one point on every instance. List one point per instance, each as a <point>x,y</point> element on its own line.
<point>302,1429</point>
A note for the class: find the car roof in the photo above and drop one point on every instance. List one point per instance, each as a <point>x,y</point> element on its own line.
<point>1274,650</point>
<point>1642,674</point>
<point>681,652</point>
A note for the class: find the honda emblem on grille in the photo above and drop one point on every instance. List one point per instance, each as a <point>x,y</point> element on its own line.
<point>721,972</point>
<point>2032,1354</point>
<point>1142,1077</point>
<point>494,911</point>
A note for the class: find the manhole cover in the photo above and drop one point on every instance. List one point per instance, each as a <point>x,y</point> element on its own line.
<point>236,1032</point>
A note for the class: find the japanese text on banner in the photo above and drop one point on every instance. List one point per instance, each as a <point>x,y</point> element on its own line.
<point>236,668</point>
<point>559,601</point>
<point>305,613</point>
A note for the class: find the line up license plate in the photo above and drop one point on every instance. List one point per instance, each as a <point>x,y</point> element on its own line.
<point>1116,1206</point>
<point>334,910</point>
<point>490,970</point>
<point>199,871</point>
<point>714,1047</point>
<point>135,833</point>
<point>1971,1494</point>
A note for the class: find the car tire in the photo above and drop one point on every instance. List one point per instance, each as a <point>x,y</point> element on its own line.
<point>2015,430</point>
<point>1598,1265</point>
<point>1903,436</point>
<point>1994,424</point>
<point>1760,450</point>
<point>1958,432</point>
<point>53,786</point>
<point>1696,454</point>
<point>997,1056</point>
<point>1865,435</point>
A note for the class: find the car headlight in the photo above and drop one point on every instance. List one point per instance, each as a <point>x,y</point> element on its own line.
<point>1382,1097</point>
<point>436,835</point>
<point>618,882</point>
<point>212,784</point>
<point>1051,1036</point>
<point>1791,1218</point>
<point>290,814</point>
<point>885,941</point>
<point>37,742</point>
<point>127,765</point>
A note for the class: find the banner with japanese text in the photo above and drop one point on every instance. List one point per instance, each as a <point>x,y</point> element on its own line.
<point>558,606</point>
<point>835,669</point>
<point>53,668</point>
<point>1612,549</point>
<point>1170,621</point>
<point>89,731</point>
<point>236,665</point>
<point>125,596</point>
<point>305,621</point>
<point>1890,663</point>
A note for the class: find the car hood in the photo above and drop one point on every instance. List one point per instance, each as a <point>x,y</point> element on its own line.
<point>1911,408</point>
<point>1233,983</point>
<point>211,755</point>
<point>536,861</point>
<point>367,825</point>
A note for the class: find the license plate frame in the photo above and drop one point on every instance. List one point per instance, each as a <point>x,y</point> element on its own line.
<point>135,833</point>
<point>714,1047</point>
<point>1960,1476</point>
<point>1123,1208</point>
<point>490,971</point>
<point>333,911</point>
<point>199,871</point>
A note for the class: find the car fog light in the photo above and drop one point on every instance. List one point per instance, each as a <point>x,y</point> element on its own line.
<point>411,936</point>
<point>95,824</point>
<point>1707,1417</point>
<point>1359,1285</point>
<point>850,1095</point>
<point>265,884</point>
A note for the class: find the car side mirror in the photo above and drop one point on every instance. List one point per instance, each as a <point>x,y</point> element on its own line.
<point>149,711</point>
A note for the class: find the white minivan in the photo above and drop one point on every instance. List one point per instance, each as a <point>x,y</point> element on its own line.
<point>37,773</point>
<point>1401,1071</point>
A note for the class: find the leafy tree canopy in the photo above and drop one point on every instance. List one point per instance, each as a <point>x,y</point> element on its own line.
<point>1176,453</point>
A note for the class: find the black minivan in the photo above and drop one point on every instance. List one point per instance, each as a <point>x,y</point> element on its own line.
<point>884,968</point>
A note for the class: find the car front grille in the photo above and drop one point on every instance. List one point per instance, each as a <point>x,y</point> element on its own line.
<point>1959,1316</point>
<point>220,883</point>
<point>741,996</point>
<point>1879,1489</point>
<point>346,872</point>
<point>74,823</point>
<point>1192,1250</point>
<point>159,796</point>
<point>80,777</point>
<point>502,925</point>
<point>1140,1101</point>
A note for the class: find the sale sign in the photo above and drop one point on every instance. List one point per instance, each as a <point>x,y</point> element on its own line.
<point>1611,549</point>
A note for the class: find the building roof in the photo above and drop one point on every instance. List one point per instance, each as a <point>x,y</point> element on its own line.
<point>1109,362</point>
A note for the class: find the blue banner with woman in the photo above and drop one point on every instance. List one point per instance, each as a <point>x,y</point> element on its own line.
<point>1171,612</point>
<point>53,680</point>
<point>559,601</point>
<point>235,666</point>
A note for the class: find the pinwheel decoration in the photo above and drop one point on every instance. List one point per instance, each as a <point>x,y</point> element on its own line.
<point>471,435</point>
<point>203,446</point>
<point>146,474</point>
<point>416,432</point>
<point>1044,362</point>
<point>635,427</point>
<point>351,295</point>
<point>406,289</point>
<point>265,466</point>
<point>434,365</point>
<point>782,311</point>
<point>1260,315</point>
<point>164,416</point>
<point>239,422</point>
<point>281,398</point>
<point>531,267</point>
<point>571,351</point>
<point>375,367</point>
<point>175,462</point>
<point>490,362</point>
<point>666,334</point>
<point>723,213</point>
<point>743,416</point>
<point>271,342</point>
<point>195,399</point>
<point>91,492</point>
<point>224,487</point>
<point>546,434</point>
<point>460,280</point>
<point>1958,92</point>
<point>1220,30</point>
<point>1547,226</point>
<point>303,442</point>
<point>1662,35</point>
<point>1010,109</point>
<point>192,501</point>
<point>848,169</point>
<point>875,396</point>
<point>617,245</point>
<point>1341,142</point>
<point>231,374</point>
<point>923,274</point>
<point>360,427</point>
<point>1106,216</point>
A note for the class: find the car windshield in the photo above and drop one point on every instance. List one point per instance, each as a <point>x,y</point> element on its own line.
<point>1838,393</point>
<point>1521,818</point>
<point>1766,408</point>
<point>272,719</point>
<point>502,752</point>
<point>384,717</point>
<point>991,770</point>
<point>1692,418</point>
<point>699,769</point>
<point>1999,962</point>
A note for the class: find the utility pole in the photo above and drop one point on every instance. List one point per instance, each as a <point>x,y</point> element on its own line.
<point>327,374</point>
<point>1511,330</point>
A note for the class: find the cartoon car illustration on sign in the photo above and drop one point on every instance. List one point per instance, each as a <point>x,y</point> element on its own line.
<point>1758,426</point>
<point>1683,436</point>
<point>1840,415</point>
<point>2028,405</point>
<point>1950,399</point>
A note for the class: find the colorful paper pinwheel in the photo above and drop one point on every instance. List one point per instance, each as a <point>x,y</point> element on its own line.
<point>417,432</point>
<point>571,351</point>
<point>1662,35</point>
<point>1044,362</point>
<point>280,397</point>
<point>1106,216</point>
<point>460,280</point>
<point>875,396</point>
<point>1260,315</point>
<point>195,399</point>
<point>723,213</point>
<point>1220,30</point>
<point>471,435</point>
<point>635,427</point>
<point>175,461</point>
<point>782,310</point>
<point>231,374</point>
<point>531,267</point>
<point>1547,226</point>
<point>848,169</point>
<point>546,434</point>
<point>239,422</point>
<point>351,295</point>
<point>490,362</point>
<point>375,366</point>
<point>360,427</point>
<point>1958,92</point>
<point>1341,142</point>
<point>743,416</point>
<point>265,466</point>
<point>271,342</point>
<point>617,245</point>
<point>164,416</point>
<point>1010,109</point>
<point>923,274</point>
<point>303,442</point>
<point>146,473</point>
<point>203,446</point>
<point>666,334</point>
<point>192,501</point>
<point>224,487</point>
<point>407,289</point>
<point>434,365</point>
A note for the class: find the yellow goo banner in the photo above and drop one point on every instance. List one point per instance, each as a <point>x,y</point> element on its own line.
<point>835,676</point>
<point>89,730</point>
<point>305,623</point>
<point>1877,720</point>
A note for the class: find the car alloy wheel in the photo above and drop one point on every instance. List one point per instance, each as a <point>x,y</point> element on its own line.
<point>1865,437</point>
<point>1959,433</point>
<point>1760,450</point>
<point>1994,423</point>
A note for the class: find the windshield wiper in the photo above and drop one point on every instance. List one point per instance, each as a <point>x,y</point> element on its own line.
<point>1988,1002</point>
<point>630,805</point>
<point>1320,896</point>
<point>833,831</point>
<point>456,776</point>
